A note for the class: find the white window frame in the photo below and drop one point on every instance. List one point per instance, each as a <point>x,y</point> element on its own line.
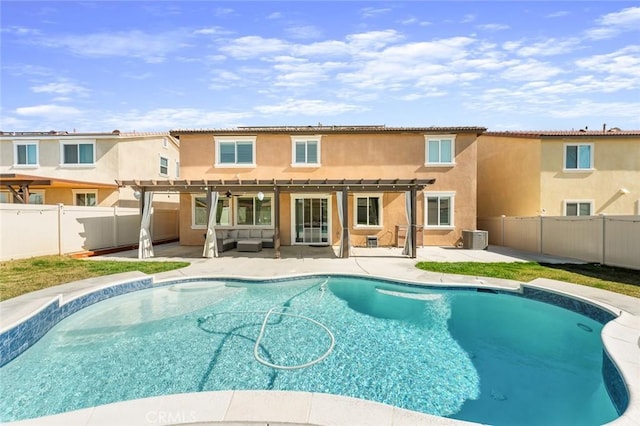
<point>440,194</point>
<point>303,196</point>
<point>193,211</point>
<point>439,138</point>
<point>305,139</point>
<point>77,165</point>
<point>577,169</point>
<point>235,139</point>
<point>167,162</point>
<point>355,210</point>
<point>15,154</point>
<point>165,143</point>
<point>177,169</point>
<point>84,191</point>
<point>590,202</point>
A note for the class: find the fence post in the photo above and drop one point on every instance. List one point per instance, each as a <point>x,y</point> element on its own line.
<point>60,206</point>
<point>540,244</point>
<point>603,258</point>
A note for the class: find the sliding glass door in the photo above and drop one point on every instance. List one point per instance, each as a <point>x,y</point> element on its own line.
<point>311,220</point>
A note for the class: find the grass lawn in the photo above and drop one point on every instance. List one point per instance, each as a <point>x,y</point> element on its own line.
<point>619,280</point>
<point>25,275</point>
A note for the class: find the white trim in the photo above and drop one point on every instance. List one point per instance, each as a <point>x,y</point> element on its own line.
<point>439,138</point>
<point>440,194</point>
<point>177,163</point>
<point>297,196</point>
<point>165,143</point>
<point>577,169</point>
<point>84,191</point>
<point>306,139</point>
<point>367,195</point>
<point>571,201</point>
<point>78,142</point>
<point>235,139</point>
<point>17,143</point>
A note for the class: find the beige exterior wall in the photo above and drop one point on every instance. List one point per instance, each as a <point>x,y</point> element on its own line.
<point>344,156</point>
<point>616,166</point>
<point>508,176</point>
<point>523,176</point>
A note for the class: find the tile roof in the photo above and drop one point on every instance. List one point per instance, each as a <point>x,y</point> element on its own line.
<point>613,132</point>
<point>331,129</point>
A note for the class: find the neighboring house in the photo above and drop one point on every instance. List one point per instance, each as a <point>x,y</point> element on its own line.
<point>559,173</point>
<point>291,178</point>
<point>82,168</point>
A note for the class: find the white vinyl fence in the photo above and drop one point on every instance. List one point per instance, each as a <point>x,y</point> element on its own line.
<point>608,240</point>
<point>30,230</point>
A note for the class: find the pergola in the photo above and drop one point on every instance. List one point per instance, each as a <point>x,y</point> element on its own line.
<point>20,185</point>
<point>342,187</point>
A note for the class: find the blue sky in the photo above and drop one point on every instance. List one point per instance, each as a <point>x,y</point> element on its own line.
<point>155,66</point>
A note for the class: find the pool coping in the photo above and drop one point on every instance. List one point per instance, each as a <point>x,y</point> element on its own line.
<point>621,342</point>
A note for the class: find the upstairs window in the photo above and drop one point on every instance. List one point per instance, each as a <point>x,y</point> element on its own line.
<point>26,154</point>
<point>164,166</point>
<point>439,210</point>
<point>305,151</point>
<point>78,153</point>
<point>368,210</point>
<point>235,152</point>
<point>578,157</point>
<point>578,208</point>
<point>440,150</point>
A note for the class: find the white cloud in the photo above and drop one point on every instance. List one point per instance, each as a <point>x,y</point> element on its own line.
<point>468,18</point>
<point>275,15</point>
<point>152,48</point>
<point>304,32</point>
<point>612,24</point>
<point>172,118</point>
<point>558,14</point>
<point>19,31</point>
<point>311,107</point>
<point>625,61</point>
<point>548,47</point>
<point>49,111</point>
<point>531,70</point>
<point>493,27</point>
<point>370,12</point>
<point>254,47</point>
<point>589,108</point>
<point>61,87</point>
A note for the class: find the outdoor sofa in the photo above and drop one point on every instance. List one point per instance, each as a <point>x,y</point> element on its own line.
<point>227,239</point>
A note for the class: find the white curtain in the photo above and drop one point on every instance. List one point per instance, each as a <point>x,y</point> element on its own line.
<point>145,247</point>
<point>210,242</point>
<point>341,220</point>
<point>408,246</point>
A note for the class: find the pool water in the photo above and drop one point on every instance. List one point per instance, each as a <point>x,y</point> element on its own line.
<point>489,358</point>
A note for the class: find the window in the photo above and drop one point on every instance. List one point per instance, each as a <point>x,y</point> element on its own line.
<point>177,169</point>
<point>578,208</point>
<point>440,150</point>
<point>439,210</point>
<point>578,157</point>
<point>235,152</point>
<point>85,198</point>
<point>35,197</point>
<point>368,210</point>
<point>251,211</point>
<point>26,154</point>
<point>200,215</point>
<point>5,197</point>
<point>165,144</point>
<point>164,166</point>
<point>305,151</point>
<point>78,153</point>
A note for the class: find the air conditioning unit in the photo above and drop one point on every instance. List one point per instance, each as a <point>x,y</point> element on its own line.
<point>372,241</point>
<point>475,240</point>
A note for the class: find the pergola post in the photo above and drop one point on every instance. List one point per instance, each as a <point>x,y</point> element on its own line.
<point>413,228</point>
<point>276,221</point>
<point>344,241</point>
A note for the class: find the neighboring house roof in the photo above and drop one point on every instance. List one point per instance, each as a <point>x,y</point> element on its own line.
<point>40,181</point>
<point>331,129</point>
<point>55,134</point>
<point>613,132</point>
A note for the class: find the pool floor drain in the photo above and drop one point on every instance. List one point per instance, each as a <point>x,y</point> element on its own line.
<point>585,327</point>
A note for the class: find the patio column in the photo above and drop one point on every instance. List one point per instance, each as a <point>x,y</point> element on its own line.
<point>276,221</point>
<point>343,205</point>
<point>414,226</point>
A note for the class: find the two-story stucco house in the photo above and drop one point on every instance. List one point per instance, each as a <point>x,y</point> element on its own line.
<point>82,168</point>
<point>559,173</point>
<point>294,180</point>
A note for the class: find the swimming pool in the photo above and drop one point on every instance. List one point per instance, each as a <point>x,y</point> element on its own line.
<point>462,353</point>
